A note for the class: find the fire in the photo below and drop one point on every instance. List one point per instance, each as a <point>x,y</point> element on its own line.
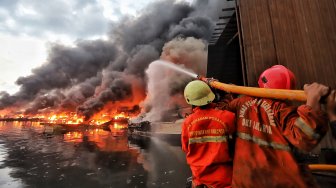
<point>101,118</point>
<point>74,118</point>
<point>121,116</point>
<point>110,114</point>
<point>63,118</point>
<point>118,126</point>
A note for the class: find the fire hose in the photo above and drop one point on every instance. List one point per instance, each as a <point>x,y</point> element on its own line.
<point>322,167</point>
<point>282,94</point>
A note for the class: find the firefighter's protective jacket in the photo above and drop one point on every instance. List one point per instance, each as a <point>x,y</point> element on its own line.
<point>266,132</point>
<point>205,140</point>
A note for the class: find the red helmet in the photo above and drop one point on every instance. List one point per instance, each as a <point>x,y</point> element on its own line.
<point>277,77</point>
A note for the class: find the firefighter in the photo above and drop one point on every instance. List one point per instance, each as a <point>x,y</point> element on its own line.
<point>206,135</point>
<point>268,129</point>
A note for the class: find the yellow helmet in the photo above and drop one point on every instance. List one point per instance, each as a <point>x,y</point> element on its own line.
<point>198,93</point>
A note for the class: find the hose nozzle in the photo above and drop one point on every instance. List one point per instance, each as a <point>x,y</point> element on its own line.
<point>205,79</point>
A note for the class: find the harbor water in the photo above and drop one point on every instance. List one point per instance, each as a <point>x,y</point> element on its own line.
<point>87,158</point>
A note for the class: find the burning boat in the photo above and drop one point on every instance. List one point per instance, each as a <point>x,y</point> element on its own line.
<point>72,122</point>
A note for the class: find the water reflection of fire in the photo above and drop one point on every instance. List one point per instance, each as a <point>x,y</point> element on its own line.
<point>104,140</point>
<point>73,137</point>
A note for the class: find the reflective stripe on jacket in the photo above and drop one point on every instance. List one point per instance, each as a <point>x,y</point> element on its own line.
<point>266,131</point>
<point>205,140</point>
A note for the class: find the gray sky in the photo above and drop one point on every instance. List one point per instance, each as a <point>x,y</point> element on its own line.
<point>28,26</point>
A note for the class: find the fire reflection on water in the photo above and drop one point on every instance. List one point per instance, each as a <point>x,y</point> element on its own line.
<point>73,137</point>
<point>89,158</point>
<point>115,140</point>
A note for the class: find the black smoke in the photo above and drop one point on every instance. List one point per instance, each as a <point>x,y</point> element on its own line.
<point>90,74</point>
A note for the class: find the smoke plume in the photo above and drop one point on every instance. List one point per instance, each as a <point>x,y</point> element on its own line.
<point>165,86</point>
<point>94,74</point>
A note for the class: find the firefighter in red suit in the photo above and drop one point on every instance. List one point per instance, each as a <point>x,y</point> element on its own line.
<point>268,129</point>
<point>206,135</point>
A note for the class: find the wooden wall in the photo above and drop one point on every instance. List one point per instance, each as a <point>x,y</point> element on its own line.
<point>300,34</point>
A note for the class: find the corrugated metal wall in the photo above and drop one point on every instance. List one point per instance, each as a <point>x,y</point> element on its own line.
<point>300,34</point>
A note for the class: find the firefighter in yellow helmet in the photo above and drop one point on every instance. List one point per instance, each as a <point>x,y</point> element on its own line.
<point>206,137</point>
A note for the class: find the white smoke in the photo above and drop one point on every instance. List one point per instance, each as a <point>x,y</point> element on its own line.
<point>165,85</point>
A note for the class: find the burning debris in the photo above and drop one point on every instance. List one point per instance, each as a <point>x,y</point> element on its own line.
<point>98,77</point>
